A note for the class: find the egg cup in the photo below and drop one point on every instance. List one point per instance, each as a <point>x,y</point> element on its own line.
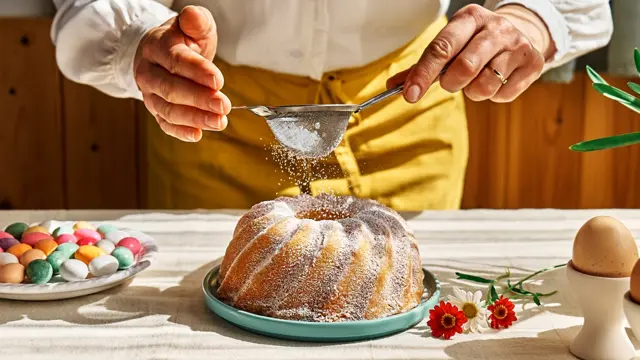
<point>603,334</point>
<point>632,312</point>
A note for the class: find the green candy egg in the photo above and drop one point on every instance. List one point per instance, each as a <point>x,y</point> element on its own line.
<point>64,229</point>
<point>56,259</point>
<point>124,256</point>
<point>39,271</point>
<point>68,249</point>
<point>104,229</point>
<point>16,229</point>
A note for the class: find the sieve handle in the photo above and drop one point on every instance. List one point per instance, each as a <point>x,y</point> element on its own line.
<point>380,97</point>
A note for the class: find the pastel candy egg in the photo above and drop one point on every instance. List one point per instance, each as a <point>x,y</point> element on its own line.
<point>56,259</point>
<point>124,257</point>
<point>103,265</point>
<point>12,274</point>
<point>87,233</point>
<point>83,225</point>
<point>86,253</point>
<point>66,238</point>
<point>16,229</point>
<point>131,243</point>
<point>39,271</point>
<point>50,225</point>
<point>30,255</point>
<point>86,241</point>
<point>104,229</point>
<point>37,228</point>
<point>68,249</point>
<point>6,243</point>
<point>32,238</point>
<point>64,229</point>
<point>106,246</point>
<point>47,246</point>
<point>1,251</point>
<point>116,235</point>
<point>18,249</point>
<point>7,258</point>
<point>5,235</point>
<point>74,270</point>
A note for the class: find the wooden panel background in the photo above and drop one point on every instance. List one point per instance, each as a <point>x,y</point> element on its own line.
<point>66,145</point>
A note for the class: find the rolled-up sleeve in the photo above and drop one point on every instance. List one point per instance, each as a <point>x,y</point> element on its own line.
<point>96,41</point>
<point>576,26</point>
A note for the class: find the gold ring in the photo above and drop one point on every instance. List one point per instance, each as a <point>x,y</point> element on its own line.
<point>499,75</point>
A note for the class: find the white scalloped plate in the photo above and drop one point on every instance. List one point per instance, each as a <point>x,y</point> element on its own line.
<point>59,289</point>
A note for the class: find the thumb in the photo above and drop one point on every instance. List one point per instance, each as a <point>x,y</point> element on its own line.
<point>197,23</point>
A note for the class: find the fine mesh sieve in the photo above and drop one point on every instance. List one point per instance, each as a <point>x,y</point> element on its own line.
<point>312,131</point>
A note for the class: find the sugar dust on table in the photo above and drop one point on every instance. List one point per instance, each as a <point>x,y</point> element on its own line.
<point>71,252</point>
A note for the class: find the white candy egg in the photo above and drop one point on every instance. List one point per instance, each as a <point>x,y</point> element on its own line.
<point>50,225</point>
<point>74,270</point>
<point>7,258</point>
<point>116,235</point>
<point>103,265</point>
<point>106,245</point>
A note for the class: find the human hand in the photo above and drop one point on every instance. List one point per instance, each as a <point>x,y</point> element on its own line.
<point>180,85</point>
<point>474,43</point>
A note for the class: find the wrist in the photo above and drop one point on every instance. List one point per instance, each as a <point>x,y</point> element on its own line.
<point>532,26</point>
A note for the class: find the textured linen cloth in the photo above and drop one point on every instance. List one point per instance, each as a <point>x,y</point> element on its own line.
<point>96,40</point>
<point>161,313</point>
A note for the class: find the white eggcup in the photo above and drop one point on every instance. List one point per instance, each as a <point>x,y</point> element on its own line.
<point>603,334</point>
<point>632,312</point>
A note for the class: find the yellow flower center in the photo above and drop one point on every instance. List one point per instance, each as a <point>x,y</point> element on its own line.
<point>470,310</point>
<point>500,312</point>
<point>448,321</point>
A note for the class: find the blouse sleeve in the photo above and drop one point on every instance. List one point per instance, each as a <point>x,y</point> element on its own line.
<point>576,26</point>
<point>96,40</point>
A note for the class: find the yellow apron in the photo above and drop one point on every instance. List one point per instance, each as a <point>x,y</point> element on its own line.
<point>409,157</point>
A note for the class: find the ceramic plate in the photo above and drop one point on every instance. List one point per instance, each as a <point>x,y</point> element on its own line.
<point>59,289</point>
<point>317,331</point>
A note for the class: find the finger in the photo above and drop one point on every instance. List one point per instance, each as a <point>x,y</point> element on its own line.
<point>183,133</point>
<point>519,81</point>
<point>178,90</point>
<point>446,45</point>
<point>187,115</point>
<point>197,23</point>
<point>398,78</point>
<point>487,83</point>
<point>471,61</point>
<point>183,61</point>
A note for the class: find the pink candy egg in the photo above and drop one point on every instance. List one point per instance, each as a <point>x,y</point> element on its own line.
<point>66,238</point>
<point>1,251</point>
<point>131,243</point>
<point>86,241</point>
<point>87,233</point>
<point>33,237</point>
<point>5,235</point>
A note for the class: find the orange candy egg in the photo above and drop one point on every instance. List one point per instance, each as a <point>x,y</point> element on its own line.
<point>47,246</point>
<point>30,255</point>
<point>12,274</point>
<point>86,253</point>
<point>83,225</point>
<point>40,229</point>
<point>18,249</point>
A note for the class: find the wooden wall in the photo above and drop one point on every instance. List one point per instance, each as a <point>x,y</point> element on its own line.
<point>65,145</point>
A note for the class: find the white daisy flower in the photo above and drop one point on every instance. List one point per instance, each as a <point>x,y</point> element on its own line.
<point>472,305</point>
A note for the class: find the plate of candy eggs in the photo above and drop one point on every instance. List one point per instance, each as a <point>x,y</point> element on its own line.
<point>56,260</point>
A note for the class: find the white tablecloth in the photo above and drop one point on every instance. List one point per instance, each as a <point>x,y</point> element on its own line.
<point>161,314</point>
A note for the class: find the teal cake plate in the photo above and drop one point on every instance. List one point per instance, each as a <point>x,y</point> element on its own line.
<point>322,331</point>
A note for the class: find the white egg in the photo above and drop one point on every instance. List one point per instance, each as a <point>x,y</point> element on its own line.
<point>103,265</point>
<point>106,245</point>
<point>116,235</point>
<point>7,258</point>
<point>50,225</point>
<point>74,270</point>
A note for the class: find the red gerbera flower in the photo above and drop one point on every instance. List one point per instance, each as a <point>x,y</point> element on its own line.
<point>446,320</point>
<point>502,314</point>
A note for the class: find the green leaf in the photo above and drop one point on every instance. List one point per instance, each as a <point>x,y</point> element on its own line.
<point>635,87</point>
<point>595,77</point>
<point>474,278</point>
<point>618,95</point>
<point>494,293</point>
<point>536,300</point>
<point>636,59</point>
<point>607,142</point>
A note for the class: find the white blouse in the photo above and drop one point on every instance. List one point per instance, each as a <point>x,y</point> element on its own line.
<point>96,40</point>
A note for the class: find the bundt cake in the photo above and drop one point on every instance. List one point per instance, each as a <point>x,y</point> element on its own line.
<point>322,259</point>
